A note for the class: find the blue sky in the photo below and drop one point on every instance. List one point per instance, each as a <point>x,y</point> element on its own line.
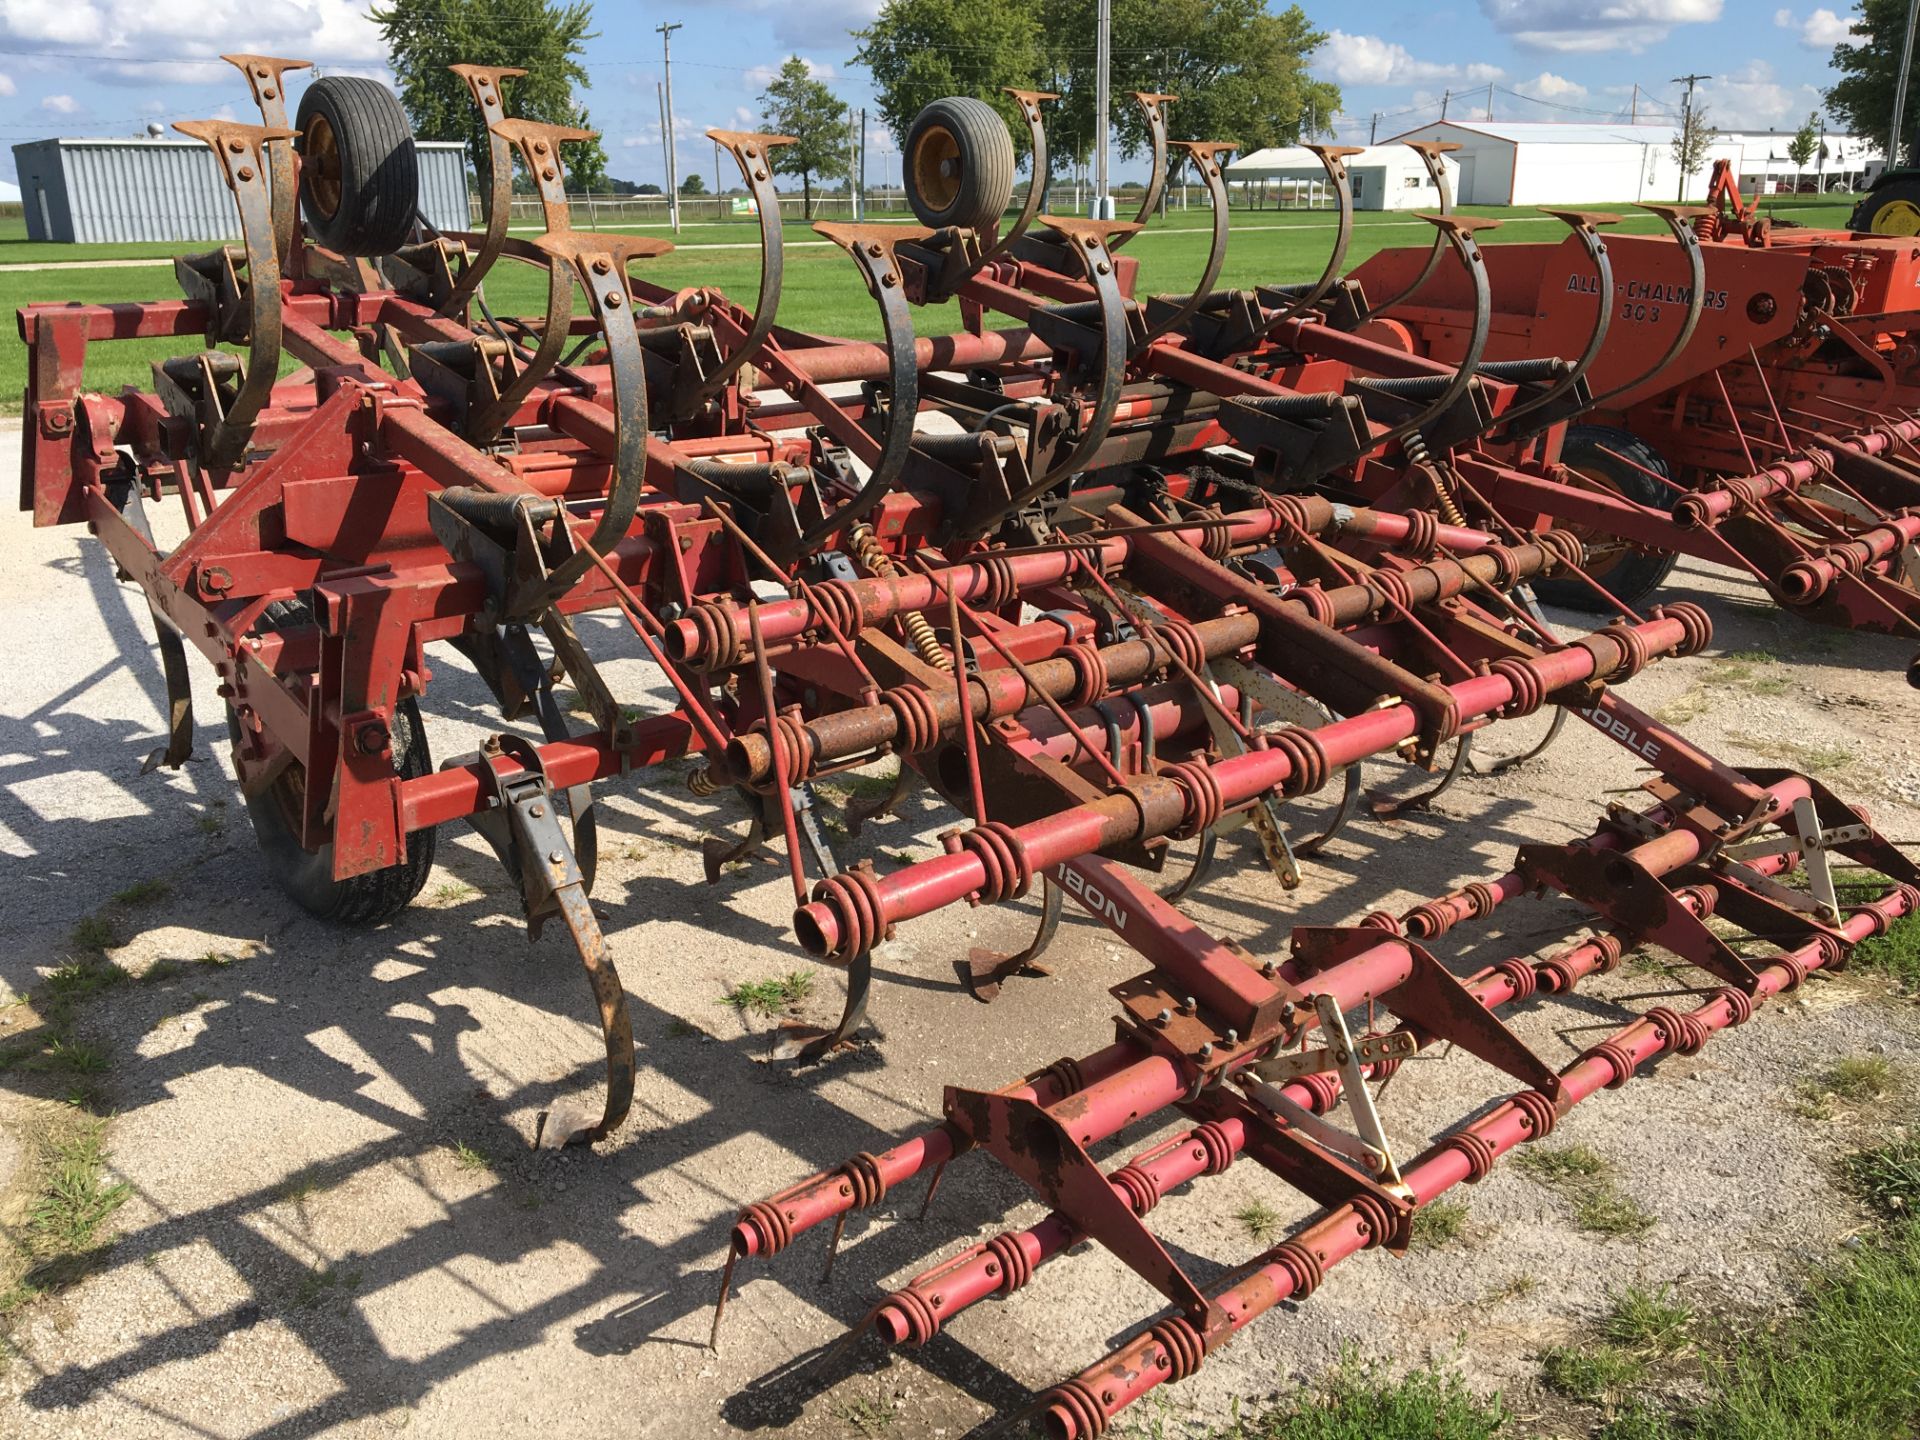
<point>91,67</point>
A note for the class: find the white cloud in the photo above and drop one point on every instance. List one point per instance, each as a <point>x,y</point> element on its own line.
<point>333,32</point>
<point>61,104</point>
<point>1370,60</point>
<point>1752,97</point>
<point>1783,19</point>
<point>817,24</point>
<point>1823,30</point>
<point>7,87</point>
<point>1549,86</point>
<point>1582,27</point>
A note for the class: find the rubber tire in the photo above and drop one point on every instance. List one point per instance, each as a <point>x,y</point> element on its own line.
<point>1884,198</point>
<point>986,164</point>
<point>379,171</point>
<point>362,901</point>
<point>1638,574</point>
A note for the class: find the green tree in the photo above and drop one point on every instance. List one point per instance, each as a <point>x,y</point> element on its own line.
<point>1868,64</point>
<point>1805,141</point>
<point>919,51</point>
<point>796,104</point>
<point>693,185</point>
<point>542,37</point>
<point>1690,144</point>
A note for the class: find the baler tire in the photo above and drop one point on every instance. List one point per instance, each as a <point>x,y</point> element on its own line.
<point>1637,573</point>
<point>967,136</point>
<point>1895,205</point>
<point>360,175</point>
<point>360,901</point>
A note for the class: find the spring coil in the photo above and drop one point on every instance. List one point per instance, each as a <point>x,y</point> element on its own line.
<point>700,782</point>
<point>1537,1113</point>
<point>920,634</point>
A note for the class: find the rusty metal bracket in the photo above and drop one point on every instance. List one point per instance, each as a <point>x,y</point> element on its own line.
<point>266,78</point>
<point>1429,152</point>
<point>1333,159</point>
<point>1029,101</point>
<point>1153,108</point>
<point>749,151</point>
<point>1205,156</point>
<point>1678,220</point>
<point>483,83</point>
<point>520,822</point>
<point>1585,227</point>
<point>240,150</point>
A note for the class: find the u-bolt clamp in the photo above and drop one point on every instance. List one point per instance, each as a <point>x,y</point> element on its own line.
<point>1679,221</point>
<point>1585,227</point>
<point>599,263</point>
<point>1205,155</point>
<point>240,150</point>
<point>1429,152</point>
<point>539,147</point>
<point>749,151</point>
<point>1457,231</point>
<point>266,78</point>
<point>483,83</point>
<point>1333,159</point>
<point>1153,108</point>
<point>872,249</point>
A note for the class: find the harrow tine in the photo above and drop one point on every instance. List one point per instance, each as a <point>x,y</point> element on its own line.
<point>483,83</point>
<point>984,971</point>
<point>224,434</point>
<point>1037,167</point>
<point>1205,156</point>
<point>266,78</point>
<point>1677,219</point>
<point>749,151</point>
<point>1430,152</point>
<point>1584,228</point>
<point>1153,112</point>
<point>1333,159</point>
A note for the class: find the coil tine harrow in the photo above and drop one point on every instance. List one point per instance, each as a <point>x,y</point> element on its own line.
<point>1112,577</point>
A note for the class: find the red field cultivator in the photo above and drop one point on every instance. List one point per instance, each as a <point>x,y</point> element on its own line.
<point>1753,393</point>
<point>1095,571</point>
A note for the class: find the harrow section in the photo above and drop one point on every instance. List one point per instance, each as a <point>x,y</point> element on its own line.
<point>1107,573</point>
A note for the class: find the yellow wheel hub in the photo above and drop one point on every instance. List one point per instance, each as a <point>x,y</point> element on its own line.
<point>1902,217</point>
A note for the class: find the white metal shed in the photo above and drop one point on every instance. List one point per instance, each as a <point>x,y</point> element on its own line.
<point>1542,163</point>
<point>1383,177</point>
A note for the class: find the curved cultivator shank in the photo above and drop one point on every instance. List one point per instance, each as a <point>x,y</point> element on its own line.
<point>1108,575</point>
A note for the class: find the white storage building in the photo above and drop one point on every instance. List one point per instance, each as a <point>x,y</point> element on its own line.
<point>1383,177</point>
<point>1541,163</point>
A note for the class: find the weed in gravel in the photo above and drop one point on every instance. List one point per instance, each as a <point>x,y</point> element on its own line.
<point>299,1186</point>
<point>867,1417</point>
<point>470,1159</point>
<point>1518,1288</point>
<point>161,971</point>
<point>321,1283</point>
<point>94,933</point>
<point>1356,1401</point>
<point>1814,760</point>
<point>450,892</point>
<point>1652,1322</point>
<point>1438,1223</point>
<point>144,892</point>
<point>211,822</point>
<point>770,997</point>
<point>1887,1176</point>
<point>1606,1211</point>
<point>1561,1166</point>
<point>71,1200</point>
<point>1597,1373</point>
<point>1261,1220</point>
<point>1896,953</point>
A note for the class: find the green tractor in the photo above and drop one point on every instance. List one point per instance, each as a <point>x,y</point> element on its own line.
<point>1891,205</point>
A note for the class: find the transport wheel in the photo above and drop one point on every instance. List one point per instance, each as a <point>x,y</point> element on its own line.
<point>1606,458</point>
<point>959,165</point>
<point>359,176</point>
<point>307,875</point>
<point>1893,209</point>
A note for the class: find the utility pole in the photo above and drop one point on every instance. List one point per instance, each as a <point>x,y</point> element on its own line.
<point>719,184</point>
<point>1489,100</point>
<point>666,63</point>
<point>1446,99</point>
<point>1633,108</point>
<point>1103,59</point>
<point>1900,89</point>
<point>1373,130</point>
<point>863,156</point>
<point>666,155</point>
<point>853,155</point>
<point>1686,123</point>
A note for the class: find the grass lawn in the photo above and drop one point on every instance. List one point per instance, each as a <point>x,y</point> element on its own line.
<point>822,292</point>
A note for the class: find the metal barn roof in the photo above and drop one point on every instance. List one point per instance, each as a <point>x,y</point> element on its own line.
<point>1547,132</point>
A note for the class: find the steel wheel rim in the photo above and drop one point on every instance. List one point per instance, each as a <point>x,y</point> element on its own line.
<point>320,166</point>
<point>937,167</point>
<point>1901,217</point>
